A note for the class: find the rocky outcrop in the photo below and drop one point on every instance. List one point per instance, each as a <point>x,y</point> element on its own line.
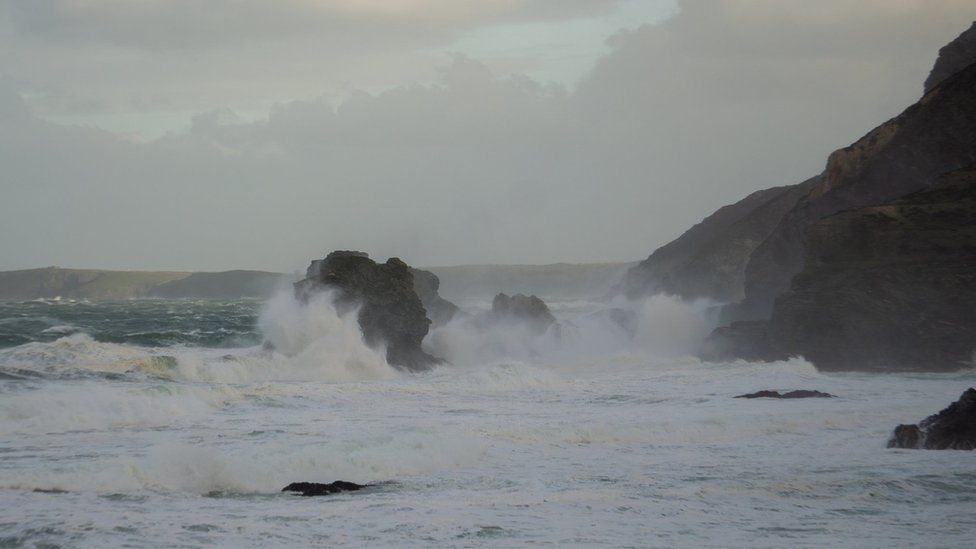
<point>317,489</point>
<point>888,287</point>
<point>743,339</point>
<point>528,310</point>
<point>788,395</point>
<point>953,57</point>
<point>908,153</point>
<point>951,429</point>
<point>439,310</point>
<point>390,311</point>
<point>709,260</point>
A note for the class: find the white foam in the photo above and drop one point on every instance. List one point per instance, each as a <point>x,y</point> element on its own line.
<point>79,352</point>
<point>664,327</point>
<point>65,407</point>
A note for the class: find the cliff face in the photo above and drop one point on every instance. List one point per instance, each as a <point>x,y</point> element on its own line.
<point>953,57</point>
<point>749,251</point>
<point>932,137</point>
<point>709,260</point>
<point>888,287</point>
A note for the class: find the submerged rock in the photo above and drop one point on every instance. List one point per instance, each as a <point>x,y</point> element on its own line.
<point>318,489</point>
<point>390,311</point>
<point>951,429</point>
<point>791,394</point>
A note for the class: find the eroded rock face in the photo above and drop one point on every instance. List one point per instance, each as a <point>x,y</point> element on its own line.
<point>439,310</point>
<point>390,311</point>
<point>908,153</point>
<point>951,429</point>
<point>872,268</point>
<point>888,287</point>
<point>709,260</point>
<point>529,310</point>
<point>953,57</point>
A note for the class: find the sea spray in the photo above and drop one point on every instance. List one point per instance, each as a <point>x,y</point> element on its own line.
<point>658,326</point>
<point>669,327</point>
<point>314,336</point>
<point>621,442</point>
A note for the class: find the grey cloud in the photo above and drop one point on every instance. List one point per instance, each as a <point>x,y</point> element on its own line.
<point>192,55</point>
<point>675,121</point>
<point>189,24</point>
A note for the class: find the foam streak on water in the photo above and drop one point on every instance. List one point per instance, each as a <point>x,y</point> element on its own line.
<point>188,445</point>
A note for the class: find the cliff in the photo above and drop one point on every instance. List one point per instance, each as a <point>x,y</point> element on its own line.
<point>750,250</point>
<point>888,287</point>
<point>953,57</point>
<point>905,154</point>
<point>709,260</point>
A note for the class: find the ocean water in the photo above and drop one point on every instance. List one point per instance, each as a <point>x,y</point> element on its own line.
<point>149,423</point>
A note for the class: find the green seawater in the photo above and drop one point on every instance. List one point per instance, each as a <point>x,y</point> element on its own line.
<point>142,322</point>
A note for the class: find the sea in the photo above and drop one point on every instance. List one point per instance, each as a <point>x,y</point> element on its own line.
<point>176,423</point>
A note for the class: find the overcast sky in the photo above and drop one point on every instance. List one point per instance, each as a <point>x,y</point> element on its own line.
<point>177,134</point>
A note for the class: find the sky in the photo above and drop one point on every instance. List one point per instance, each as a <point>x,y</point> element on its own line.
<point>187,135</point>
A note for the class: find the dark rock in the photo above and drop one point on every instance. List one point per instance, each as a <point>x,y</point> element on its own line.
<point>868,271</point>
<point>908,153</point>
<point>953,57</point>
<point>439,310</point>
<point>754,248</point>
<point>709,259</point>
<point>951,429</point>
<point>390,311</point>
<point>529,310</point>
<point>906,436</point>
<point>791,394</point>
<point>318,489</point>
<point>888,287</point>
<point>744,339</point>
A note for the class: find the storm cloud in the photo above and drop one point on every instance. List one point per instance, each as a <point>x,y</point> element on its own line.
<point>472,164</point>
